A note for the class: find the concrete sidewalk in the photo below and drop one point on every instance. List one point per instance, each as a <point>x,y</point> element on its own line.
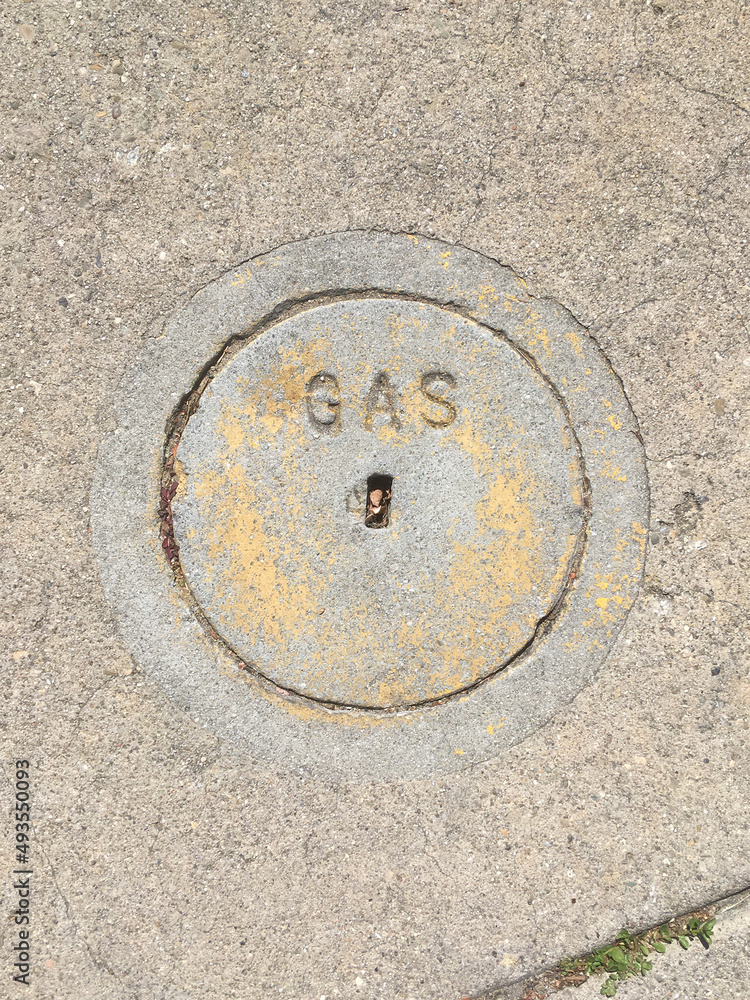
<point>719,970</point>
<point>723,971</point>
<point>602,151</point>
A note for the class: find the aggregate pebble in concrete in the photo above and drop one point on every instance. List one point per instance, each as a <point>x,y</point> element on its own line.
<point>601,151</point>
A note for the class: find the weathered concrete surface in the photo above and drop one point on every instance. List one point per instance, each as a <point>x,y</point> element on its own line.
<point>265,626</point>
<point>721,972</point>
<point>694,974</point>
<point>602,152</point>
<point>487,499</point>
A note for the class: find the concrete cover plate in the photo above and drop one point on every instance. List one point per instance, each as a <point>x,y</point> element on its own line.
<point>485,508</point>
<point>407,635</point>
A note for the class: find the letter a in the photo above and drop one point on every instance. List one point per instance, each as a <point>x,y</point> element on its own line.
<point>381,399</point>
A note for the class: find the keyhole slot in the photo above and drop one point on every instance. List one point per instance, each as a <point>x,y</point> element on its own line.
<point>379,498</point>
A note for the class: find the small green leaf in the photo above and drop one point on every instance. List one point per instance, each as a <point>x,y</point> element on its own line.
<point>658,946</point>
<point>709,925</point>
<point>644,949</point>
<point>684,943</point>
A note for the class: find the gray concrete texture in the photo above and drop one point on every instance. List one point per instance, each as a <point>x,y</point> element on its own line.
<point>390,616</point>
<point>721,973</point>
<point>246,469</point>
<point>602,151</point>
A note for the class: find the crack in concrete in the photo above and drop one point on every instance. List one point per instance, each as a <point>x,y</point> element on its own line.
<point>427,854</point>
<point>551,980</point>
<point>98,963</point>
<point>705,93</point>
<point>624,313</point>
<point>735,151</point>
<point>720,274</point>
<point>514,25</point>
<point>546,105</point>
<point>76,720</point>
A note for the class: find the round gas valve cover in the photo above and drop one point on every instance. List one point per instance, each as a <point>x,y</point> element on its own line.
<point>378,511</point>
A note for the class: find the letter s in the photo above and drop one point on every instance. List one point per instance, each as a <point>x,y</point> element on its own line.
<point>428,380</point>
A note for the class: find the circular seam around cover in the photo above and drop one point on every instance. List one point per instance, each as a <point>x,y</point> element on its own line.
<point>202,675</point>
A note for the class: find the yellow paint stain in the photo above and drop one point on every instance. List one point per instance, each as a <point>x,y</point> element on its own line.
<point>493,576</point>
<point>639,537</point>
<point>464,433</point>
<point>459,752</point>
<point>487,296</point>
<point>445,257</point>
<point>541,338</point>
<point>531,333</point>
<point>271,582</point>
<point>613,472</point>
<point>239,279</point>
<point>388,434</point>
<point>614,421</point>
<point>575,342</point>
<point>619,586</point>
<point>243,557</point>
<point>414,239</point>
